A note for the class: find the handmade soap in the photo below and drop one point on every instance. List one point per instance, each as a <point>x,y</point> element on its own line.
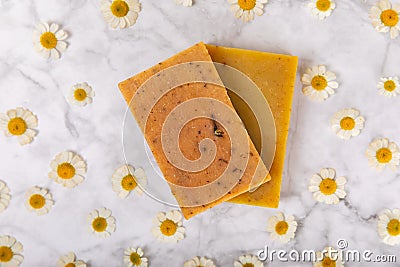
<point>275,76</point>
<point>188,120</point>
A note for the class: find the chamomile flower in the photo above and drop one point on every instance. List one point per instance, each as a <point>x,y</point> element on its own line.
<point>127,179</point>
<point>5,196</point>
<point>389,86</point>
<point>319,83</point>
<point>49,40</point>
<point>326,187</point>
<point>69,260</point>
<point>81,94</point>
<point>184,2</point>
<point>247,9</point>
<point>248,260</point>
<point>321,8</point>
<point>199,261</point>
<point>120,13</point>
<point>282,227</point>
<point>20,123</point>
<point>329,257</point>
<point>10,252</point>
<point>347,123</point>
<point>168,227</point>
<point>135,257</point>
<point>381,153</point>
<point>389,226</point>
<point>385,17</point>
<point>39,200</point>
<point>67,169</point>
<point>101,222</point>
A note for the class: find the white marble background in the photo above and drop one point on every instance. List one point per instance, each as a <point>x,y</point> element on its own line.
<point>345,42</point>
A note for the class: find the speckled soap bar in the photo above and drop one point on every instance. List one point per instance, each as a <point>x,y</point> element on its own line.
<point>199,190</point>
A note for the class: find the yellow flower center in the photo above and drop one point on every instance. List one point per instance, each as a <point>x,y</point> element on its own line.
<point>17,126</point>
<point>99,224</point>
<point>119,8</point>
<point>128,183</point>
<point>323,5</point>
<point>247,4</point>
<point>389,17</point>
<point>393,227</point>
<point>281,227</point>
<point>48,40</point>
<point>328,186</point>
<point>66,170</point>
<point>6,254</point>
<point>319,82</point>
<point>384,155</point>
<point>168,227</point>
<point>248,265</point>
<point>80,94</point>
<point>70,264</point>
<point>135,259</point>
<point>37,201</point>
<point>389,86</point>
<point>347,123</point>
<point>328,262</point>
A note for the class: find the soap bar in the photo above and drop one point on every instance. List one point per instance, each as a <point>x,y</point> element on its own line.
<point>275,76</point>
<point>198,140</point>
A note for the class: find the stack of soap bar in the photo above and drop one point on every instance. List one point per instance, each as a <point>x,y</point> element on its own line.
<point>151,122</point>
<point>275,75</point>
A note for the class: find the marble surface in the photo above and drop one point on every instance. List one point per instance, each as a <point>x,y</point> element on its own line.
<point>345,42</point>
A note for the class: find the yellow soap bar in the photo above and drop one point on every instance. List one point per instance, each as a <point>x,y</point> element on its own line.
<point>156,95</point>
<point>275,75</point>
